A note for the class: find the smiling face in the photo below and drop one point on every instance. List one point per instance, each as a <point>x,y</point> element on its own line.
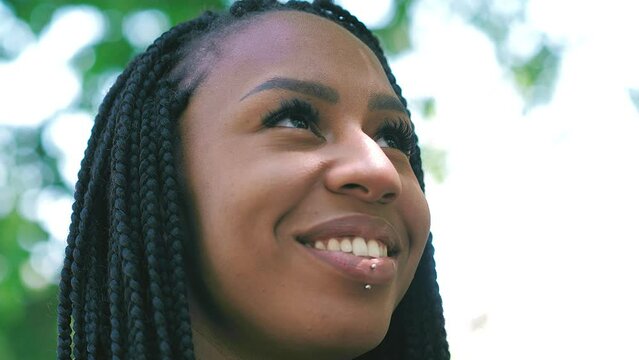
<point>296,141</point>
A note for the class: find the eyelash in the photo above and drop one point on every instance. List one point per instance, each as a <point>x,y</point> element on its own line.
<point>296,109</point>
<point>403,134</point>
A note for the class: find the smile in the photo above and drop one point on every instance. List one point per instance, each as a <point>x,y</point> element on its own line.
<point>358,246</point>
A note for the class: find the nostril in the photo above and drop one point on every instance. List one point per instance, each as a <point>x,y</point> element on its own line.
<point>354,186</point>
<point>365,191</point>
<point>388,198</point>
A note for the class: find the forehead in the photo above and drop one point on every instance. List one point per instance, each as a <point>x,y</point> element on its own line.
<point>298,45</point>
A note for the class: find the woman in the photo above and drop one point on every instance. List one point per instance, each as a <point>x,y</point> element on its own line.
<point>252,189</point>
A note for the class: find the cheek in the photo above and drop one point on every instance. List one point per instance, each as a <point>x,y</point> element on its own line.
<point>240,201</point>
<point>235,212</point>
<point>253,191</point>
<point>416,214</point>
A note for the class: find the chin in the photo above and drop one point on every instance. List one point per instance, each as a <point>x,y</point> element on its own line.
<point>346,341</point>
<point>345,350</point>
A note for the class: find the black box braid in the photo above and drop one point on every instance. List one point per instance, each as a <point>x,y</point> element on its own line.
<point>123,288</point>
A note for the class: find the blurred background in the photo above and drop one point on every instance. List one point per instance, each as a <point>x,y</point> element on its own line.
<point>528,115</point>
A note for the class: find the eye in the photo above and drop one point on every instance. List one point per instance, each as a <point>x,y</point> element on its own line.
<point>397,134</point>
<point>388,141</point>
<point>293,122</point>
<point>295,114</point>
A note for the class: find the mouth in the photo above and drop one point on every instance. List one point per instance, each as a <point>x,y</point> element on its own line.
<point>359,234</point>
<point>360,247</point>
<point>356,245</point>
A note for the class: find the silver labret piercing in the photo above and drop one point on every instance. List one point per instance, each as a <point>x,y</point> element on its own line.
<point>367,287</point>
<point>373,266</point>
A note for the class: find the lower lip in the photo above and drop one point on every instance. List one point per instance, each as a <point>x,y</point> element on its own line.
<point>358,268</point>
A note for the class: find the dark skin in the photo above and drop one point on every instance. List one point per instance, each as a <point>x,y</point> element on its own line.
<point>255,189</point>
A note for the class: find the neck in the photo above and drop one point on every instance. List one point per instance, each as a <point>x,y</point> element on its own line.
<point>210,341</point>
<point>207,346</point>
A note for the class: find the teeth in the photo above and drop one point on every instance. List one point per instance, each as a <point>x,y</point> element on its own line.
<point>358,246</point>
<point>333,245</point>
<point>345,245</point>
<point>373,248</point>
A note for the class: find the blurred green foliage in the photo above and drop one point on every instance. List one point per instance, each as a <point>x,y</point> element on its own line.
<point>534,74</point>
<point>27,301</point>
<point>28,311</point>
<point>25,313</point>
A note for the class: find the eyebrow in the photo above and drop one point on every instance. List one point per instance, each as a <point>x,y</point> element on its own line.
<point>318,90</point>
<point>386,102</point>
<point>310,88</point>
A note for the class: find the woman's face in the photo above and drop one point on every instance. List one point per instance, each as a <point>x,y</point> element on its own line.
<point>292,140</point>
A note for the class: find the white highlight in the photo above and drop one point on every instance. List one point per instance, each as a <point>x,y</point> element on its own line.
<point>142,27</point>
<point>374,14</point>
<point>40,81</point>
<point>535,224</point>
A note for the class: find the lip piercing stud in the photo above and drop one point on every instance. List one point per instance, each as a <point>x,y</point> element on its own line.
<point>373,266</point>
<point>367,287</point>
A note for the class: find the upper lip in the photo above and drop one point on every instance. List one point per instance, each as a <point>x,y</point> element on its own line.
<point>365,226</point>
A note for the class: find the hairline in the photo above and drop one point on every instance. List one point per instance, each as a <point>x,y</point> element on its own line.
<point>211,47</point>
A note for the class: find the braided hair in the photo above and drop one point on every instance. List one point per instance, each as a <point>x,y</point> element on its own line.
<point>123,292</point>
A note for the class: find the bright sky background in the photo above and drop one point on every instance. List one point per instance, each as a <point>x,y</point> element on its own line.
<point>536,220</point>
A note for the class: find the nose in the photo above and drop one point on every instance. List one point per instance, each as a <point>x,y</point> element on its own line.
<point>361,169</point>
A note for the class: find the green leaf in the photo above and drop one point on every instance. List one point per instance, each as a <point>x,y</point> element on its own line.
<point>395,37</point>
<point>535,77</point>
<point>434,161</point>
